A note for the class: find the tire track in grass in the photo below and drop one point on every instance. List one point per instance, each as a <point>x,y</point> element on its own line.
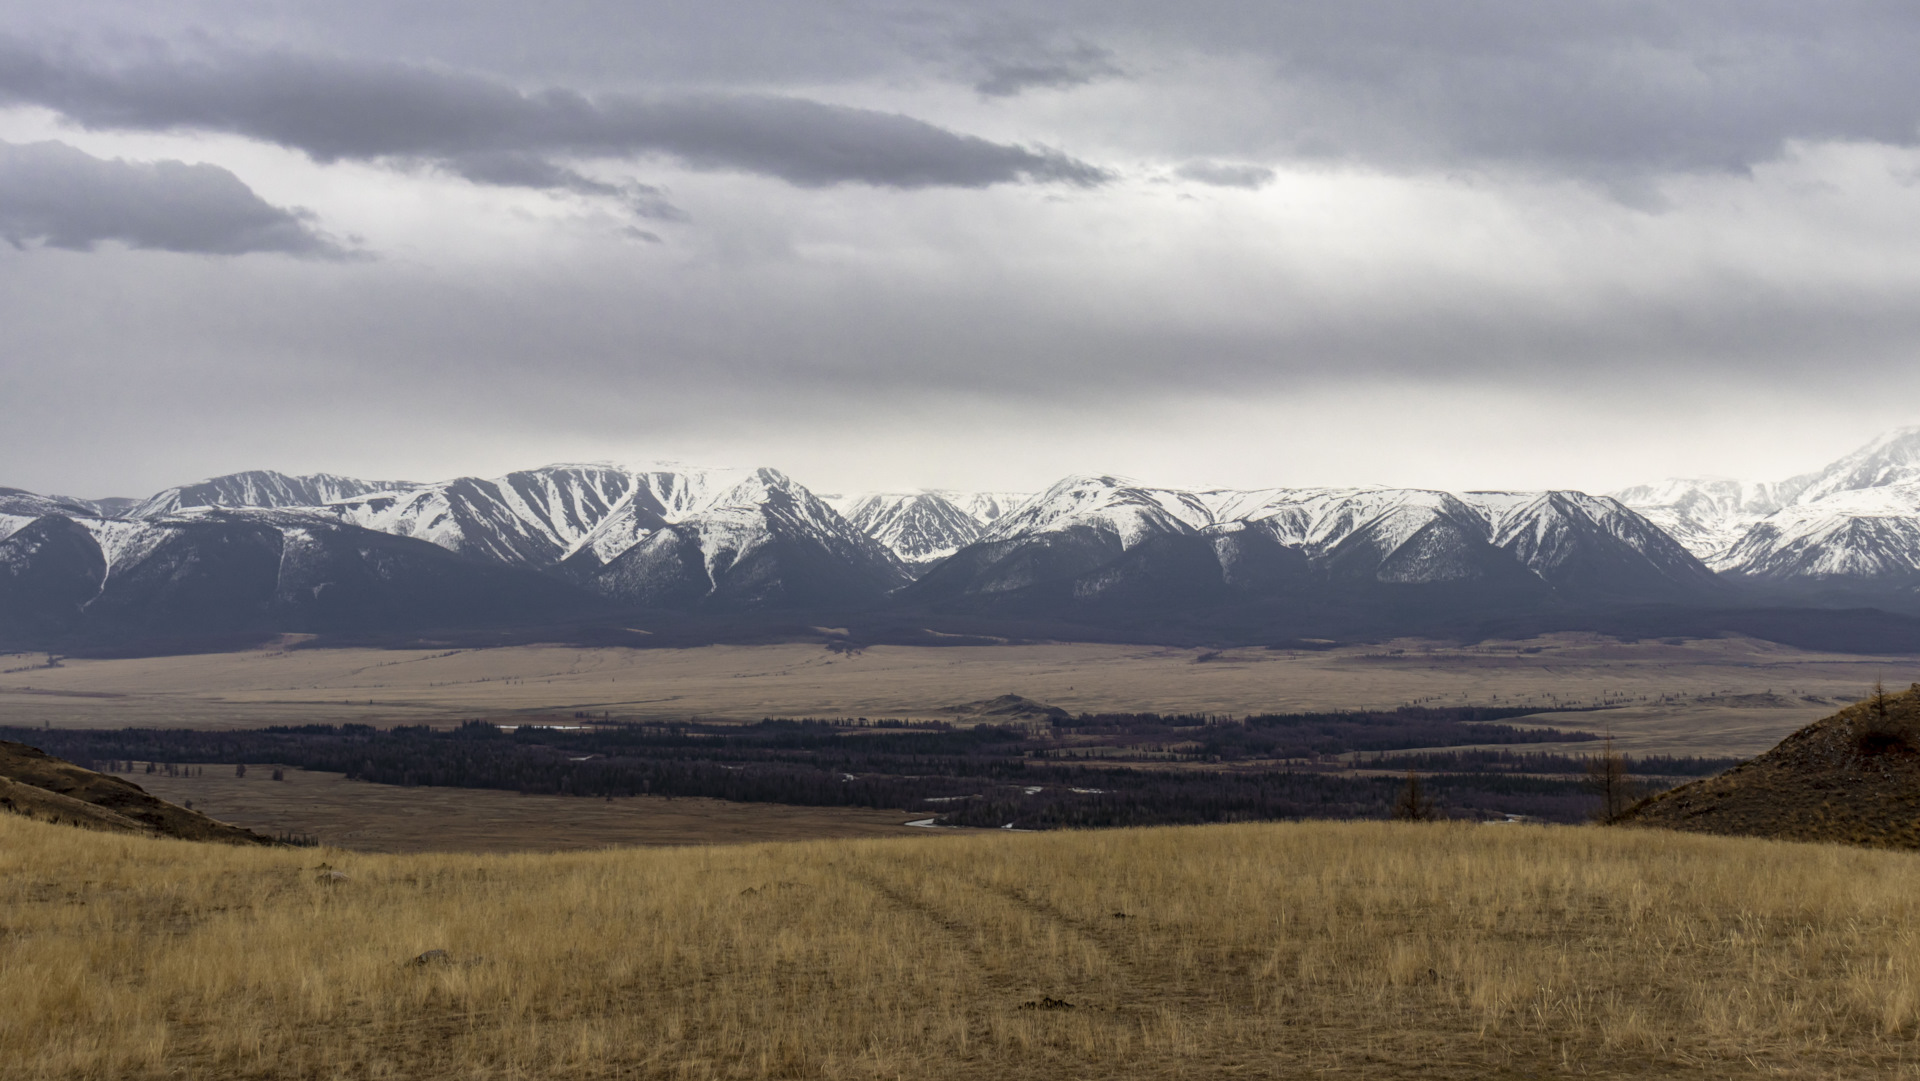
<point>963,934</point>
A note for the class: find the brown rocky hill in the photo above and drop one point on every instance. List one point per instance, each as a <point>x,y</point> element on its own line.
<point>1853,777</point>
<point>38,785</point>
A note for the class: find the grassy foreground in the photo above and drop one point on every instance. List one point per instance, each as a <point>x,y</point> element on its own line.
<point>1284,950</point>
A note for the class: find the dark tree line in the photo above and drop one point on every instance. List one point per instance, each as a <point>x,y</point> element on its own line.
<point>985,776</point>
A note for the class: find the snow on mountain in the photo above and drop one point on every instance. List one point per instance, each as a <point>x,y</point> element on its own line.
<point>15,503</point>
<point>1128,512</point>
<point>259,488</point>
<point>1856,518</point>
<point>528,518</point>
<point>921,528</point>
<point>1708,514</point>
<point>1320,518</point>
<point>1110,538</point>
<point>49,568</point>
<point>1106,535</point>
<point>211,569</point>
<point>986,507</point>
<point>661,496</point>
<point>1892,458</point>
<point>1574,540</point>
<point>1866,533</point>
<point>765,542</point>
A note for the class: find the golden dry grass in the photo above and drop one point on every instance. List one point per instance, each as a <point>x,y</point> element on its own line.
<point>1273,950</point>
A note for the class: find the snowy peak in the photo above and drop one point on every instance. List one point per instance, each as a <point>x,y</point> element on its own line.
<point>921,528</point>
<point>1861,534</point>
<point>1106,504</point>
<point>259,488</point>
<point>1108,537</point>
<point>986,507</point>
<point>1893,458</point>
<point>764,542</point>
<point>1707,514</point>
<point>22,504</point>
<point>1587,543</point>
<point>1854,519</point>
<point>527,518</point>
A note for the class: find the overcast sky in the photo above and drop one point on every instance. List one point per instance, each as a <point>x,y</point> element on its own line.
<point>1488,243</point>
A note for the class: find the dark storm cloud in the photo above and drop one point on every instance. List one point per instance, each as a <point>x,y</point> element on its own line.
<point>1580,87</point>
<point>333,108</point>
<point>55,195</point>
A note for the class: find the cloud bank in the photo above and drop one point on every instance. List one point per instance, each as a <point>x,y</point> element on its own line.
<point>1359,241</point>
<point>60,197</point>
<point>484,129</point>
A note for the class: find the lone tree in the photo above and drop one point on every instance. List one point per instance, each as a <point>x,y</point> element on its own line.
<point>1607,778</point>
<point>1414,805</point>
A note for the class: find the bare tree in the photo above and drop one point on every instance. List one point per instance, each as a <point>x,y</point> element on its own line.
<point>1414,805</point>
<point>1607,778</point>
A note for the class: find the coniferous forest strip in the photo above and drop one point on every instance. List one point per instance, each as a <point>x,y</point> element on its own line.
<point>1086,771</point>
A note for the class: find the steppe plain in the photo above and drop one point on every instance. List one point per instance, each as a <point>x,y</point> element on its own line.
<point>1719,696</point>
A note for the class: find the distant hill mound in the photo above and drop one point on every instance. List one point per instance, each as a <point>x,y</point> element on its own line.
<point>1011,707</point>
<point>1853,777</point>
<point>38,785</point>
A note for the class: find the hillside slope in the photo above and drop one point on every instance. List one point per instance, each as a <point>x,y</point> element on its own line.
<point>38,785</point>
<point>1853,777</point>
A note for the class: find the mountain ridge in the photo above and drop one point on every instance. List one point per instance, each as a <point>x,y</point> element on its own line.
<point>571,538</point>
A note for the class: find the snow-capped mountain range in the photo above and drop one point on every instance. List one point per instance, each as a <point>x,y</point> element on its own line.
<point>267,547</point>
<point>1859,518</point>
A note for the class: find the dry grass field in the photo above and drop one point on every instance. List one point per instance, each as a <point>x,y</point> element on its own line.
<point>390,818</point>
<point>1754,692</point>
<point>1273,950</point>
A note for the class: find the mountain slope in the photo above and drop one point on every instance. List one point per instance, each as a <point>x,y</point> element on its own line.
<point>1589,545</point>
<point>1856,521</point>
<point>220,571</point>
<point>18,504</point>
<point>1035,554</point>
<point>1889,459</point>
<point>41,786</point>
<point>1708,515</point>
<point>767,542</point>
<point>529,518</point>
<point>659,497</point>
<point>1873,533</point>
<point>1853,777</point>
<point>258,488</point>
<point>49,569</point>
<point>920,528</point>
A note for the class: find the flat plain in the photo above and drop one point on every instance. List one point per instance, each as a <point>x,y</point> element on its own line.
<point>391,818</point>
<point>1718,696</point>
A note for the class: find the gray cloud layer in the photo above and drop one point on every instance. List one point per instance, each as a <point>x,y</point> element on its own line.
<point>53,194</point>
<point>1576,86</point>
<point>1362,194</point>
<point>333,109</point>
